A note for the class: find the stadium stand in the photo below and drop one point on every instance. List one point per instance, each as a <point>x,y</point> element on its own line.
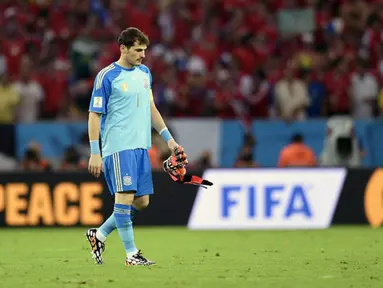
<point>209,58</point>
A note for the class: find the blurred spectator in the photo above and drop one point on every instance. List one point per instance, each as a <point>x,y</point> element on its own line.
<point>164,91</point>
<point>307,58</point>
<point>83,53</point>
<point>155,158</point>
<point>246,155</point>
<point>223,59</point>
<point>341,146</point>
<point>192,95</point>
<point>55,67</point>
<point>204,162</point>
<point>161,147</point>
<point>83,148</point>
<point>72,160</point>
<point>291,99</point>
<point>297,154</point>
<point>80,94</point>
<point>155,154</point>
<point>13,42</point>
<point>317,95</point>
<point>354,14</point>
<point>364,91</point>
<point>9,98</point>
<point>31,93</point>
<point>3,62</point>
<point>256,90</point>
<point>337,82</point>
<point>208,58</point>
<point>33,161</point>
<point>370,46</point>
<point>224,99</point>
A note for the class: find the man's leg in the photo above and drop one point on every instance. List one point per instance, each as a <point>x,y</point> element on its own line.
<point>139,204</point>
<point>122,209</point>
<point>121,174</point>
<point>97,237</point>
<point>121,212</point>
<point>101,234</point>
<point>145,183</point>
<point>106,228</point>
<point>127,180</point>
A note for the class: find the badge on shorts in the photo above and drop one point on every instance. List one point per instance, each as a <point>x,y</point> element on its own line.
<point>127,180</point>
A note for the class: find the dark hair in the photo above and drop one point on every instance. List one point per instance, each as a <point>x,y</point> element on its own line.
<point>31,155</point>
<point>297,138</point>
<point>131,35</point>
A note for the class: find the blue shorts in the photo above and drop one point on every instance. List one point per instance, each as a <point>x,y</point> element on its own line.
<point>129,170</point>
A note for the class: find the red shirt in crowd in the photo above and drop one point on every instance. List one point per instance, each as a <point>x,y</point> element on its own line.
<point>13,50</point>
<point>337,86</point>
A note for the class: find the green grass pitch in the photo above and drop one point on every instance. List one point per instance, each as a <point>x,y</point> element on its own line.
<point>338,257</point>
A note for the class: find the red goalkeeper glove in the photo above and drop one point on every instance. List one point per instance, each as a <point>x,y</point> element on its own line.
<point>177,171</point>
<point>181,158</point>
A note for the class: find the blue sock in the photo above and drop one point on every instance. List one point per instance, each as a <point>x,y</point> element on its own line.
<point>107,227</point>
<point>124,226</point>
<point>110,224</point>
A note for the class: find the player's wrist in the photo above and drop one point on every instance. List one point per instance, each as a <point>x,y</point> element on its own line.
<point>166,135</point>
<point>94,147</point>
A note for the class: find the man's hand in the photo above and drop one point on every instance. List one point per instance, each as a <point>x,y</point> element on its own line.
<point>178,152</point>
<point>177,172</point>
<point>95,166</point>
<point>172,145</point>
<point>174,168</point>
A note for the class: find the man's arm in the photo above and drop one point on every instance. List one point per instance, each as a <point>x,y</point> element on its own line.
<point>175,164</point>
<point>94,126</point>
<point>159,124</point>
<point>97,106</point>
<point>95,166</point>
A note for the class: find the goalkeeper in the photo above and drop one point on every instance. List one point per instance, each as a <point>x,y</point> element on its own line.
<point>122,110</point>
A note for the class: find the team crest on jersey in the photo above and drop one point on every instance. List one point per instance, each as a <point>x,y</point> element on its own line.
<point>146,83</point>
<point>124,87</point>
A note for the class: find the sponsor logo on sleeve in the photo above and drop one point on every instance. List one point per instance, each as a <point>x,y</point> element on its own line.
<point>97,102</point>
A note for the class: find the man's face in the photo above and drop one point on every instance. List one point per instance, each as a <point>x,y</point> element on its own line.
<point>135,54</point>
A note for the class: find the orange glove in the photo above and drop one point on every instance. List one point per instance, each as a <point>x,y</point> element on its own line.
<point>180,156</point>
<point>177,171</point>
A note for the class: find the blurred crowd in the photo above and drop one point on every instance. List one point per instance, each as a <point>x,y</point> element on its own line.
<point>209,58</point>
<point>342,147</point>
<point>212,58</point>
<point>76,156</point>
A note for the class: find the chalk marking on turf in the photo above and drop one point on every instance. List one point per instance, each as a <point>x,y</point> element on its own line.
<point>327,276</point>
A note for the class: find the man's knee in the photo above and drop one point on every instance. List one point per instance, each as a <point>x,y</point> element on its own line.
<point>126,197</point>
<point>141,202</point>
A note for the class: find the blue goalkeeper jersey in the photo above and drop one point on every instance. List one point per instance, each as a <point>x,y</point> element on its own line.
<point>123,98</point>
